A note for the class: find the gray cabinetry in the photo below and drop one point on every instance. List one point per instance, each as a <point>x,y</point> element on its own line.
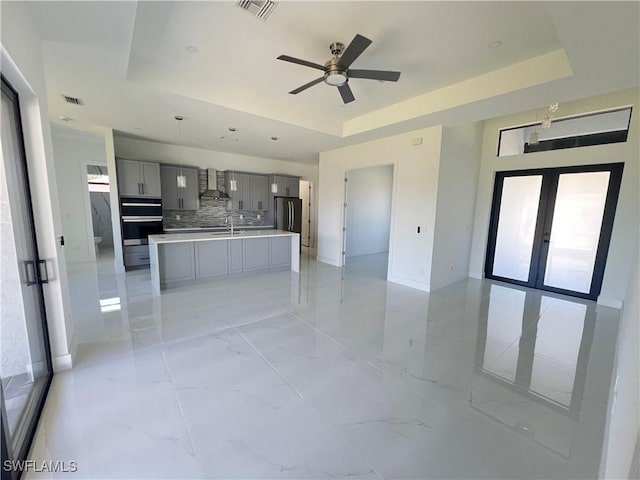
<point>287,186</point>
<point>279,252</point>
<point>251,191</point>
<point>168,178</point>
<point>138,179</point>
<point>256,254</point>
<point>259,192</point>
<point>136,256</point>
<point>176,262</point>
<point>179,187</point>
<point>211,258</point>
<point>235,256</point>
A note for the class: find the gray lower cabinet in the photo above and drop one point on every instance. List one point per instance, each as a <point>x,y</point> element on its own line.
<point>256,254</point>
<point>211,258</point>
<point>176,262</point>
<point>235,256</point>
<point>279,252</point>
<point>136,256</point>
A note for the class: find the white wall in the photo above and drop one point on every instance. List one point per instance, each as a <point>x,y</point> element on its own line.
<point>415,182</point>
<point>369,210</point>
<point>624,239</point>
<point>22,65</point>
<point>74,150</point>
<point>131,148</point>
<point>457,182</point>
<point>623,423</point>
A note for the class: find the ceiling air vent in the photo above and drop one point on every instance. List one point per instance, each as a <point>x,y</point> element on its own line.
<point>259,8</point>
<point>72,100</point>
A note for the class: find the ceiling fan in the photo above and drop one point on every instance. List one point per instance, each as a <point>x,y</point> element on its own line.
<point>337,72</point>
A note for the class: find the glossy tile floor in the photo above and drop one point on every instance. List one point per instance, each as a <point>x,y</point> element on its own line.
<point>329,373</point>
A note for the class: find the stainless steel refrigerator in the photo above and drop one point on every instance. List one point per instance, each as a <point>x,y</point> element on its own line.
<point>288,214</point>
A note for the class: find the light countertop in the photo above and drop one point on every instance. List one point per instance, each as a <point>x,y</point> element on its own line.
<point>205,236</point>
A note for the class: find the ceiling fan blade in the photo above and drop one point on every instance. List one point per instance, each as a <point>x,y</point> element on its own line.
<point>299,61</point>
<point>346,93</point>
<point>354,50</point>
<point>306,85</point>
<point>375,75</point>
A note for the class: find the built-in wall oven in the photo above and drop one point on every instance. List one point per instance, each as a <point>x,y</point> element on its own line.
<point>141,217</point>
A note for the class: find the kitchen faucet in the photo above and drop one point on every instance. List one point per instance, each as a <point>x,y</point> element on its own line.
<point>229,220</point>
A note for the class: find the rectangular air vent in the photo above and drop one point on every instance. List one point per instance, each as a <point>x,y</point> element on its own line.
<point>72,100</point>
<point>259,8</point>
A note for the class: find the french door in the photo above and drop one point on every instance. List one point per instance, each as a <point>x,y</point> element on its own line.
<point>550,228</point>
<point>25,363</point>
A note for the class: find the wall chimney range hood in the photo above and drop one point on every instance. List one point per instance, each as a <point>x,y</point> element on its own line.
<point>212,186</point>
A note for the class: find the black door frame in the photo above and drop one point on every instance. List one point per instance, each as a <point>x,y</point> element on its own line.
<point>546,205</point>
<point>29,430</point>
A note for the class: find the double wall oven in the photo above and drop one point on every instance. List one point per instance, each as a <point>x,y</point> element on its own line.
<point>141,217</point>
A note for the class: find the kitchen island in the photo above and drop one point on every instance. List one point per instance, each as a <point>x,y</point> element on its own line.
<point>180,259</point>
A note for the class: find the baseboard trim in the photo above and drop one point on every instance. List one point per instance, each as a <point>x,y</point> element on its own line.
<point>330,261</point>
<point>476,275</point>
<point>425,287</point>
<point>65,362</point>
<point>610,302</point>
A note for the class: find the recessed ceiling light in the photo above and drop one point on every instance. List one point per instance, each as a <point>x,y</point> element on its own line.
<point>178,117</point>
<point>233,129</point>
<point>495,44</point>
<point>65,119</point>
<point>274,138</point>
<point>191,49</point>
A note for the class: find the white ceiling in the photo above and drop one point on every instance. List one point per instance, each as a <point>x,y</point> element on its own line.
<point>128,63</point>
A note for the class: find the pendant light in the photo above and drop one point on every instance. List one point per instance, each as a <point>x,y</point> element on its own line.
<point>274,185</point>
<point>233,183</point>
<point>181,179</point>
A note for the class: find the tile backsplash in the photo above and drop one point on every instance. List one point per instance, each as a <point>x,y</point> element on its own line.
<point>212,212</point>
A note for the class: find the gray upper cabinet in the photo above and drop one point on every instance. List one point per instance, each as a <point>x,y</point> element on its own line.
<point>168,178</point>
<point>287,186</point>
<point>259,192</point>
<point>176,194</point>
<point>138,179</point>
<point>150,179</point>
<point>251,191</point>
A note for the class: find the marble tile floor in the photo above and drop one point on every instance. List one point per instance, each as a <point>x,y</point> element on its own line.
<point>329,373</point>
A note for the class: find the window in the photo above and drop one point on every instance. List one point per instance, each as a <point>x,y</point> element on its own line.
<point>597,128</point>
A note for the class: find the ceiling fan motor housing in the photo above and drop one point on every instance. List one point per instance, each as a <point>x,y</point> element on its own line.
<point>335,74</point>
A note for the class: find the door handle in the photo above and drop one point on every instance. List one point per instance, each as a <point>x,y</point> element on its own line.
<point>43,278</point>
<point>28,271</point>
<point>142,184</point>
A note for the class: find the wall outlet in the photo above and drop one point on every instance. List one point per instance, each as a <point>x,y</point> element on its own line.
<point>241,217</point>
<point>177,217</point>
<point>259,216</point>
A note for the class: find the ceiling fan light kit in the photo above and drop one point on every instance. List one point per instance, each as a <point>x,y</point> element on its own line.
<point>336,70</point>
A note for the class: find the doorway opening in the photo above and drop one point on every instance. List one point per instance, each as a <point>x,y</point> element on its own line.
<point>367,219</point>
<point>550,228</point>
<point>98,186</point>
<point>305,195</point>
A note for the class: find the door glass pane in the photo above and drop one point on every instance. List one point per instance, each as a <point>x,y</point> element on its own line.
<point>24,367</point>
<point>516,226</point>
<point>575,231</point>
